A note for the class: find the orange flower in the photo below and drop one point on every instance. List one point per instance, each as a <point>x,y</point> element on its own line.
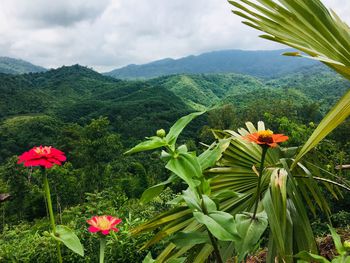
<point>45,156</point>
<point>266,137</point>
<point>103,224</point>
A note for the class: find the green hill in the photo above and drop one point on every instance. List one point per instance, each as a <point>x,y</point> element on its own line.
<point>18,66</point>
<point>264,64</point>
<point>137,108</point>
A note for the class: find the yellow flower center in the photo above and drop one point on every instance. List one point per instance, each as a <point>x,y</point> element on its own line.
<point>103,223</point>
<point>265,136</point>
<point>43,150</point>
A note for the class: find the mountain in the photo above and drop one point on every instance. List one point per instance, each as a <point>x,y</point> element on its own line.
<point>77,94</point>
<point>266,64</point>
<point>18,66</point>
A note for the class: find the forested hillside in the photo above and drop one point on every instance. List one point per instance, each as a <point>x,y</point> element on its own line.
<point>18,66</point>
<point>77,94</point>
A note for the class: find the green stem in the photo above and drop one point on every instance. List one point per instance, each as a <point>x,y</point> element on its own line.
<point>261,169</point>
<point>212,238</point>
<point>52,217</point>
<point>102,249</point>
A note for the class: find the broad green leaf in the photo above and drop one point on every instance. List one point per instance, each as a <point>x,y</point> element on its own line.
<point>220,224</point>
<point>183,239</point>
<point>187,167</point>
<point>311,257</point>
<point>224,194</point>
<point>209,204</point>
<point>250,231</point>
<point>209,157</point>
<point>148,258</point>
<point>69,239</point>
<point>152,143</point>
<point>277,224</point>
<point>332,120</point>
<point>177,128</point>
<point>192,200</point>
<point>155,190</point>
<point>337,241</point>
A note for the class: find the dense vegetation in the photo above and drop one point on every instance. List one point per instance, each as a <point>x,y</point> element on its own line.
<point>94,119</point>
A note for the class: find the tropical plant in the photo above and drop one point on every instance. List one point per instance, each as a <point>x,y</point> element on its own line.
<point>229,171</point>
<point>343,250</point>
<point>311,28</point>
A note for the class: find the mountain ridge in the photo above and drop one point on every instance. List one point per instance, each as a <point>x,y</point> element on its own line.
<point>258,63</point>
<point>18,66</point>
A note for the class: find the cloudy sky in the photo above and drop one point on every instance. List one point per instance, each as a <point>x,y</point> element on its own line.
<point>107,34</point>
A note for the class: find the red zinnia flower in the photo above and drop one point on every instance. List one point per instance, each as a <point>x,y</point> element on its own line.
<point>103,224</point>
<point>266,137</point>
<point>45,156</point>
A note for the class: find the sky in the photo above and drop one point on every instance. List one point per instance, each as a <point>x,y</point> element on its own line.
<point>108,34</point>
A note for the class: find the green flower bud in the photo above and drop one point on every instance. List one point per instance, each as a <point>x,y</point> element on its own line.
<point>46,234</point>
<point>347,244</point>
<point>161,133</point>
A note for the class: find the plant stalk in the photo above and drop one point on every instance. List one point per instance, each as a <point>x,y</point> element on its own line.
<point>261,169</point>
<point>52,218</point>
<point>102,249</point>
<point>212,238</point>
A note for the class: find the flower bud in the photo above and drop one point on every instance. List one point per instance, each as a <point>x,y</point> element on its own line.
<point>347,245</point>
<point>161,133</point>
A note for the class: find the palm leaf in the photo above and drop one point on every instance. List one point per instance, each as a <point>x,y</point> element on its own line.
<point>311,28</point>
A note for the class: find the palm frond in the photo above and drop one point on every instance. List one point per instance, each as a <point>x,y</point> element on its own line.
<point>311,28</point>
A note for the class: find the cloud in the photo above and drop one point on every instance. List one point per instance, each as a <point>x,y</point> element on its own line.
<point>43,13</point>
<point>106,34</point>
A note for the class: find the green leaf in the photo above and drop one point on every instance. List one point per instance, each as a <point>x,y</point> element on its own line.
<point>176,260</point>
<point>292,54</point>
<point>183,239</point>
<point>225,193</point>
<point>192,200</point>
<point>152,143</point>
<point>337,241</point>
<point>187,167</point>
<point>69,239</point>
<point>177,128</point>
<point>250,231</point>
<point>155,190</point>
<point>220,224</point>
<point>209,204</point>
<point>332,120</point>
<point>311,257</point>
<point>148,258</point>
<point>209,157</point>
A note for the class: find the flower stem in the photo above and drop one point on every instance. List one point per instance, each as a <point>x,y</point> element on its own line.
<point>102,249</point>
<point>52,218</point>
<point>261,169</point>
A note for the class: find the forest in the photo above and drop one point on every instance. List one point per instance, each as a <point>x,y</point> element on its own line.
<point>206,167</point>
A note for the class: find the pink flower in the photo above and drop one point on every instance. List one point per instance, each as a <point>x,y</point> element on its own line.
<point>45,156</point>
<point>103,224</point>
